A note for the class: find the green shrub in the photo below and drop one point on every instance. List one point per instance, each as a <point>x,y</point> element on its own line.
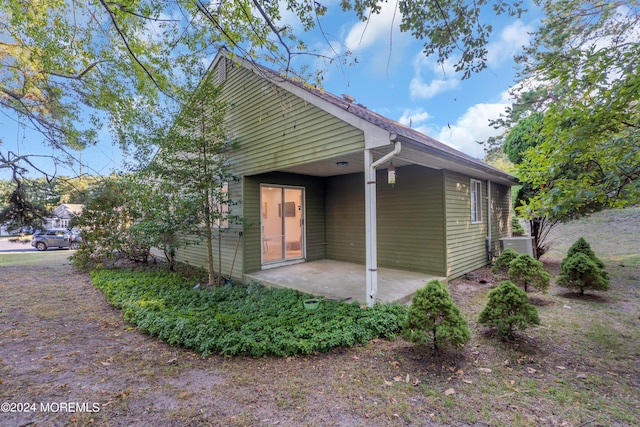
<point>516,228</point>
<point>237,319</point>
<point>582,272</point>
<point>526,271</point>
<point>508,308</point>
<point>501,266</point>
<point>434,319</point>
<point>582,246</point>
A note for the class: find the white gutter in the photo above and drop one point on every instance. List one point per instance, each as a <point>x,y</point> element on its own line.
<point>371,221</point>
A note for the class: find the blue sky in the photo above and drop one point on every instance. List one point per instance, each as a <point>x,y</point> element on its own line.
<point>392,77</point>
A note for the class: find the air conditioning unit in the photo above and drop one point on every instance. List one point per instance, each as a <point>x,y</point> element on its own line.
<point>520,244</point>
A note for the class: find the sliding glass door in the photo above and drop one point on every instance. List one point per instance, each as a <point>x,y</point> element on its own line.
<point>282,223</point>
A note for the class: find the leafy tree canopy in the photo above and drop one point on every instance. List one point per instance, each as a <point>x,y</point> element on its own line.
<point>580,81</point>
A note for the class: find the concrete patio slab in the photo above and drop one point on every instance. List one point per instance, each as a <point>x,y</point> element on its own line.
<point>342,280</point>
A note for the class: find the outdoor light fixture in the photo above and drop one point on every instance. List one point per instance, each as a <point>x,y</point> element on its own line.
<point>342,164</point>
<point>391,174</point>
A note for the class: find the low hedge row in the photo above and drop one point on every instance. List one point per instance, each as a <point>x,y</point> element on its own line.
<point>241,320</point>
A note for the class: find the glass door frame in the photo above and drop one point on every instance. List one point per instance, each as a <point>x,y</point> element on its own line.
<point>303,229</point>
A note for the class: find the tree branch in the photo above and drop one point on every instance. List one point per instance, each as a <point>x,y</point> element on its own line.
<point>126,43</point>
<point>76,77</point>
<point>274,30</point>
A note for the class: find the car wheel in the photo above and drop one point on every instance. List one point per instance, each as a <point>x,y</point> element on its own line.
<point>74,245</point>
<point>41,246</point>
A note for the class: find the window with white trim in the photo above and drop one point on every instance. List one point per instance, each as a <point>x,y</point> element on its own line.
<point>476,201</point>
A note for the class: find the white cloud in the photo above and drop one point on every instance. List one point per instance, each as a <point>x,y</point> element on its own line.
<point>413,118</point>
<point>511,40</point>
<point>471,127</point>
<point>379,41</point>
<point>444,77</point>
<point>376,29</point>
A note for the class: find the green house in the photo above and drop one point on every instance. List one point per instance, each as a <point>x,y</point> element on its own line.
<point>316,183</point>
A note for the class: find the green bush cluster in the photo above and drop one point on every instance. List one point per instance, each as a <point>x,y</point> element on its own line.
<point>241,320</point>
<point>582,269</point>
<point>434,319</point>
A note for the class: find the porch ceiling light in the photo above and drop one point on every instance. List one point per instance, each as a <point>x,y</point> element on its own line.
<point>391,174</point>
<point>342,164</point>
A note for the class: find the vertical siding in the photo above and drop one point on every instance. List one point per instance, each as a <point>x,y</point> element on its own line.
<point>466,250</point>
<point>410,217</point>
<point>314,215</point>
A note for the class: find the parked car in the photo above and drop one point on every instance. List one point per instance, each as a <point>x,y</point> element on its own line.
<point>54,238</point>
<point>22,231</point>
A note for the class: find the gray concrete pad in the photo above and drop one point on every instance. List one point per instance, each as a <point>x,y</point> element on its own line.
<point>342,280</point>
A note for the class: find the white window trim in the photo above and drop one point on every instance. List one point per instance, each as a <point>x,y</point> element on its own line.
<point>476,201</point>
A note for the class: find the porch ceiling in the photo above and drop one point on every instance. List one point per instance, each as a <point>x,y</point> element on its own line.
<point>407,156</point>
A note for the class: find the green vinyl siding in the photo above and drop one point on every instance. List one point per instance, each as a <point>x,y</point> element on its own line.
<point>410,218</point>
<point>466,242</point>
<point>196,255</point>
<point>275,129</point>
<point>345,218</point>
<point>314,215</point>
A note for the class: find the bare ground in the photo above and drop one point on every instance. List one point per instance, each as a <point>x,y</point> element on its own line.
<point>62,343</point>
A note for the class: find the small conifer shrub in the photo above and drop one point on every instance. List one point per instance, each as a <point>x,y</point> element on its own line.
<point>434,320</point>
<point>516,228</point>
<point>582,246</point>
<point>581,272</point>
<point>508,309</point>
<point>525,271</point>
<point>501,266</point>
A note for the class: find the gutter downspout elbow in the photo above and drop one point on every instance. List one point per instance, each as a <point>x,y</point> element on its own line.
<point>396,150</point>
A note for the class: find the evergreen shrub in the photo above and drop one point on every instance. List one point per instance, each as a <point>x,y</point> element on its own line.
<point>501,266</point>
<point>582,269</point>
<point>434,319</point>
<point>508,309</point>
<point>525,271</point>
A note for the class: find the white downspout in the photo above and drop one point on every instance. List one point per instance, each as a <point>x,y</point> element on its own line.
<point>371,221</point>
<point>489,245</point>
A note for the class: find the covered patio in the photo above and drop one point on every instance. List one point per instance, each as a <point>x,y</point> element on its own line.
<point>342,281</point>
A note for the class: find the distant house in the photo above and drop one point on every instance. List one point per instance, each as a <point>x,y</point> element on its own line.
<point>315,184</point>
<point>62,215</point>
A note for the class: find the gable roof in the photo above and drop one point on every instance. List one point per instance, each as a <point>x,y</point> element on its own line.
<point>68,210</point>
<point>360,116</point>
